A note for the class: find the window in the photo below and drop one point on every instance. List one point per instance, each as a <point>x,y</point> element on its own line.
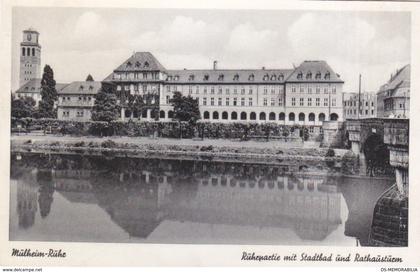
<point>227,101</point>
<point>281,77</point>
<point>265,102</point>
<point>293,89</point>
<point>250,101</point>
<point>333,102</point>
<point>309,102</point>
<point>146,64</point>
<point>265,89</point>
<point>212,101</point>
<point>280,101</point>
<point>190,89</point>
<point>197,90</point>
<point>325,102</point>
<point>206,115</point>
<point>318,75</point>
<point>250,90</point>
<point>235,91</point>
<point>204,101</point>
<point>311,117</point>
<point>302,89</point>
<point>301,101</point>
<point>291,116</point>
<point>309,75</point>
<point>225,115</point>
<point>243,101</point>
<point>205,89</point>
<point>282,116</point>
<point>243,90</point>
<point>227,91</point>
<point>317,101</point>
<point>293,101</point>
<point>253,116</point>
<point>236,77</point>
<point>212,90</point>
<point>334,90</point>
<point>300,75</point>
<point>206,77</point>
<point>235,101</point>
<point>191,78</point>
<point>272,103</point>
<point>251,77</point>
<point>301,116</point>
<point>309,90</point>
<point>262,116</point>
<point>272,116</point>
<point>219,101</point>
<point>327,76</point>
<point>221,77</point>
<point>220,90</point>
<point>325,90</point>
<point>273,91</point>
<point>265,78</point>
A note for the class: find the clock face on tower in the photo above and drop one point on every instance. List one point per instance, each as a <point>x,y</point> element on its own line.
<point>29,37</point>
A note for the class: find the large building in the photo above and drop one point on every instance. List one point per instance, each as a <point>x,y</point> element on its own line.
<point>367,107</point>
<point>308,94</point>
<point>394,96</point>
<point>32,89</point>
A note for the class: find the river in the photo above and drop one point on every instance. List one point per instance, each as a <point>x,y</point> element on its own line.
<point>79,198</point>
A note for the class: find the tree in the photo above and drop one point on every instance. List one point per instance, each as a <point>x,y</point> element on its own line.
<point>23,107</point>
<point>186,109</point>
<point>89,78</point>
<point>49,95</point>
<point>106,107</point>
<point>135,104</point>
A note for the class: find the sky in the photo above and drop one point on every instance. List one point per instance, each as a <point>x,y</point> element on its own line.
<point>80,41</point>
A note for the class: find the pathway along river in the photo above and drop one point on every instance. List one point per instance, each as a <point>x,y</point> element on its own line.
<point>97,199</point>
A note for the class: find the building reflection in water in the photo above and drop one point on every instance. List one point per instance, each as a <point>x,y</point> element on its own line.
<point>138,194</point>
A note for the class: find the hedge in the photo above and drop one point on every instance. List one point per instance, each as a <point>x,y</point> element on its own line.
<point>165,129</point>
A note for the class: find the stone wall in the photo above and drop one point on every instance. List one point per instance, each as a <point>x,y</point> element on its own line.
<point>333,134</point>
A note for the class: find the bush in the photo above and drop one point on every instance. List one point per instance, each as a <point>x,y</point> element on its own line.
<point>109,144</point>
<point>206,148</point>
<point>79,144</point>
<point>330,153</point>
<point>28,142</point>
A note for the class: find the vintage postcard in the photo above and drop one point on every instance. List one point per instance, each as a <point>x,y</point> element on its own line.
<point>209,133</point>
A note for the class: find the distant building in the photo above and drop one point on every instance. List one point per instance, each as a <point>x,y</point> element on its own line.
<point>75,100</point>
<point>394,96</point>
<point>367,105</point>
<point>32,88</point>
<point>307,95</point>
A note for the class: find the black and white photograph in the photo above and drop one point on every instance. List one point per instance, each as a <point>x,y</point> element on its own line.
<point>187,126</point>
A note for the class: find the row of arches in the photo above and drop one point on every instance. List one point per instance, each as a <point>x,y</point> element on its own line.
<point>242,116</point>
<point>263,116</point>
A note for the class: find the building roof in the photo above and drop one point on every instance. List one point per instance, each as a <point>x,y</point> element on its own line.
<point>141,61</point>
<point>248,76</point>
<point>314,71</point>
<point>401,79</point>
<point>34,86</point>
<point>81,87</point>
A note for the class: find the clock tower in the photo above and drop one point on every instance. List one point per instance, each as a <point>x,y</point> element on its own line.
<point>30,56</point>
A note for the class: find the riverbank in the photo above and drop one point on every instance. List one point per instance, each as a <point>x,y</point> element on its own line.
<point>273,152</point>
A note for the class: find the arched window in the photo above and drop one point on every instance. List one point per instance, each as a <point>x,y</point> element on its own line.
<point>311,117</point>
<point>253,116</point>
<point>234,116</point>
<point>28,51</point>
<point>215,115</point>
<point>321,117</point>
<point>206,115</point>
<point>251,77</point>
<point>162,114</point>
<point>334,117</point>
<point>282,116</point>
<point>225,115</point>
<point>262,116</point>
<point>33,51</point>
<point>301,116</point>
<point>23,51</point>
<point>243,115</point>
<point>153,114</point>
<point>281,77</point>
<point>272,116</point>
<point>299,75</point>
<point>171,114</point>
<point>309,75</point>
<point>135,114</point>
<point>291,116</point>
<point>146,64</point>
<point>127,113</point>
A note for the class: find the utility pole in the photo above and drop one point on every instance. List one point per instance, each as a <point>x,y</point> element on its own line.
<point>360,90</point>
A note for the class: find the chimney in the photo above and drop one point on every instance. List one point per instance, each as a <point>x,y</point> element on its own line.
<point>215,65</point>
<point>263,67</point>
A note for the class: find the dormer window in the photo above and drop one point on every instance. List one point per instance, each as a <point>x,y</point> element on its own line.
<point>191,78</point>
<point>265,77</point>
<point>318,75</point>
<point>309,75</point>
<point>176,78</point>
<point>236,77</point>
<point>251,77</point>
<point>129,64</point>
<point>138,64</point>
<point>26,88</point>
<point>300,75</point>
<point>169,78</point>
<point>221,77</point>
<point>91,88</point>
<point>206,77</point>
<point>327,75</point>
<point>81,87</point>
<point>146,64</point>
<point>33,88</point>
<point>273,77</point>
<point>281,77</point>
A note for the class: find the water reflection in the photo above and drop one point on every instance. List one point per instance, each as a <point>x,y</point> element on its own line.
<point>144,197</point>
